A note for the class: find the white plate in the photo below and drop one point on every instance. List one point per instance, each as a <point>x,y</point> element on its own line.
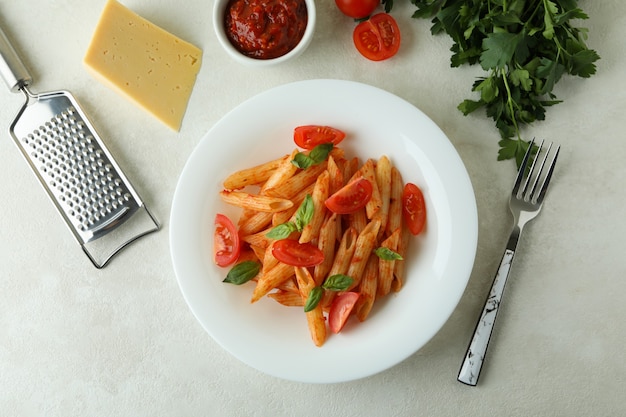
<point>275,339</point>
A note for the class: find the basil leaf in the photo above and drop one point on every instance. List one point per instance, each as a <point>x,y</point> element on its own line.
<point>304,213</point>
<point>242,272</point>
<point>316,156</point>
<point>315,295</point>
<point>338,282</point>
<point>387,254</point>
<point>282,231</point>
<point>302,161</point>
<point>320,152</point>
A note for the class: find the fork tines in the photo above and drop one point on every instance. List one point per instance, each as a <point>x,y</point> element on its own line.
<point>537,179</point>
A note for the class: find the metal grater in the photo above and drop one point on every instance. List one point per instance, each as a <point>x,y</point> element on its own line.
<point>98,203</point>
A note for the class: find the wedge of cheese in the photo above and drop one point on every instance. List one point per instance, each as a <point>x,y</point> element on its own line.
<point>143,62</point>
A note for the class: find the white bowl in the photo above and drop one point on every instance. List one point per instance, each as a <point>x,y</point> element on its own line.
<point>273,338</point>
<point>219,9</point>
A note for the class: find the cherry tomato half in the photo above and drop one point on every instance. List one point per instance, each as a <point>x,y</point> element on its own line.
<point>413,208</point>
<point>340,310</point>
<point>308,137</point>
<point>351,197</point>
<point>226,244</point>
<point>292,252</point>
<point>377,38</point>
<point>357,9</point>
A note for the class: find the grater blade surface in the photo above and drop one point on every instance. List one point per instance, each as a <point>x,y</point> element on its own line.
<point>80,176</point>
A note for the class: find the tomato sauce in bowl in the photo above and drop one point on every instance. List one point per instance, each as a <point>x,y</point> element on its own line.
<point>265,29</point>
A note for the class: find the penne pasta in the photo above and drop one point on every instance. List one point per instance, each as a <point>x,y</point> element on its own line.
<point>268,280</point>
<point>255,202</point>
<point>297,182</point>
<point>255,223</point>
<point>269,261</point>
<point>326,243</point>
<point>288,215</point>
<point>368,171</point>
<point>365,243</point>
<point>315,317</point>
<point>284,171</point>
<point>383,179</point>
<point>258,239</point>
<point>341,263</point>
<point>399,267</point>
<point>386,267</point>
<point>287,298</point>
<point>394,219</point>
<point>369,285</point>
<point>346,242</point>
<point>311,231</point>
<point>248,255</point>
<point>290,285</point>
<point>336,176</point>
<point>259,252</point>
<point>350,169</point>
<point>358,220</point>
<point>252,176</point>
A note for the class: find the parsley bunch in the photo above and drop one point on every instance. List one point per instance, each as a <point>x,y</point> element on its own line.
<point>525,45</point>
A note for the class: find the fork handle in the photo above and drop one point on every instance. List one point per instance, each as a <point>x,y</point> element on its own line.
<point>477,349</point>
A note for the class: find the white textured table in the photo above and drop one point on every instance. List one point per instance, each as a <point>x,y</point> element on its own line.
<point>76,341</point>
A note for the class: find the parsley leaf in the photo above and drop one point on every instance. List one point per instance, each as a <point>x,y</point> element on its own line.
<point>499,48</point>
<point>525,46</point>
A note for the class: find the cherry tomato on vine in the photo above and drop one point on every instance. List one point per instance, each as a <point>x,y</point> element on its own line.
<point>351,197</point>
<point>226,244</point>
<point>357,9</point>
<point>413,208</point>
<point>309,136</point>
<point>377,38</point>
<point>292,252</point>
<point>340,310</point>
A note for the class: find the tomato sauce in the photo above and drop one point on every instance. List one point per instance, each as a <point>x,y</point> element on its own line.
<point>265,29</point>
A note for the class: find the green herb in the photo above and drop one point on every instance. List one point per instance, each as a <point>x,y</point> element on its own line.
<point>282,231</point>
<point>315,295</point>
<point>337,282</point>
<point>525,45</point>
<point>303,217</point>
<point>316,156</point>
<point>305,212</point>
<point>387,254</point>
<point>242,272</point>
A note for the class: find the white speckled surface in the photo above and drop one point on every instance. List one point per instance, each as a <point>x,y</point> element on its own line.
<point>75,341</point>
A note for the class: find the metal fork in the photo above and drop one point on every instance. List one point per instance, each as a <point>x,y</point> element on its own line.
<point>525,203</point>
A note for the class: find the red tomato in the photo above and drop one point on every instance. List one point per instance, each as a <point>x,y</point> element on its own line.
<point>377,38</point>
<point>308,137</point>
<point>292,252</point>
<point>357,9</point>
<point>351,197</point>
<point>413,208</point>
<point>226,244</point>
<point>340,310</point>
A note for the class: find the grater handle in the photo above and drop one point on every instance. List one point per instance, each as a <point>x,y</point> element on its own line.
<point>12,68</point>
